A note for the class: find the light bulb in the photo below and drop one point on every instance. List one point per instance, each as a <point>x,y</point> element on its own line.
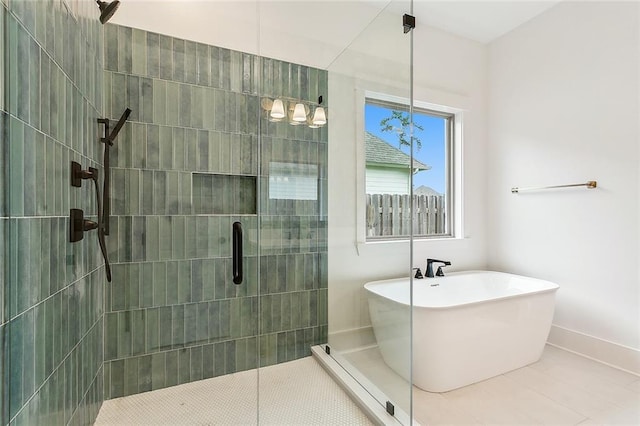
<point>277,110</point>
<point>299,113</point>
<point>319,117</point>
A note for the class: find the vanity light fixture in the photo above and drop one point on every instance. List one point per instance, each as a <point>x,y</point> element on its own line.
<point>295,112</point>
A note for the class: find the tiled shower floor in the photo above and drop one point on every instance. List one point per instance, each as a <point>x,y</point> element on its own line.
<point>293,393</point>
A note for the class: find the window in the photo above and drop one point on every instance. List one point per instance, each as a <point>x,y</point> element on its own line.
<point>389,173</point>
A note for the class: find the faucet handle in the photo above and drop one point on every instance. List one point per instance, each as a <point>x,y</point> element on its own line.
<point>439,272</point>
<point>418,274</point>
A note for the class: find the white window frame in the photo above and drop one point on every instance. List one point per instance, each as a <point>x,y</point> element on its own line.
<point>454,195</point>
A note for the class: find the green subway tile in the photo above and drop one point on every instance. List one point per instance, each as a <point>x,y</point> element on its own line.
<point>172,283</point>
<point>179,149</point>
<point>158,366</point>
<point>184,365</point>
<point>165,327</point>
<point>139,52</point>
<point>144,373</point>
<point>152,330</point>
<point>225,68</point>
<point>152,147</point>
<point>139,148</point>
<point>178,237</point>
<point>177,325</point>
<point>118,286</point>
<point>166,57</point>
<point>146,104</point>
<point>214,320</point>
<point>225,319</point>
<point>34,84</point>
<point>160,203</point>
<point>29,164</point>
<point>111,47</point>
<point>28,354</point>
<point>153,54</point>
<point>208,108</point>
<point>125,45</point>
<point>40,175</point>
<point>159,283</point>
<point>171,368</point>
<point>201,230</point>
<point>132,97</point>
<point>235,317</point>
<point>146,285</point>
<point>202,151</point>
<point>117,379</point>
<point>172,104</point>
<point>124,334</point>
<point>230,356</point>
<point>215,159</point>
<point>184,105</point>
<point>215,66</point>
<point>132,289</point>
<point>197,107</point>
<point>131,376</point>
<point>22,88</point>
<point>178,60</point>
<point>138,249</point>
<point>159,101</point>
<point>220,359</point>
<point>203,63</point>
<point>196,281</point>
<point>190,62</point>
<point>15,352</point>
<point>219,116</point>
<point>185,204</point>
<point>202,322</point>
<point>138,335</point>
<point>111,336</point>
<point>184,282</point>
<point>147,200</point>
<point>296,309</point>
<point>16,168</point>
<point>208,279</point>
<point>165,148</point>
<point>190,318</point>
<point>241,355</point>
<point>208,361</point>
<point>231,113</point>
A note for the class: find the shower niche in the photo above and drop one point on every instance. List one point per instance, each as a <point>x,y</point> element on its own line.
<point>224,194</point>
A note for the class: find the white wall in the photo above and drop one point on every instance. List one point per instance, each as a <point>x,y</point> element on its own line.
<point>564,107</point>
<point>449,71</point>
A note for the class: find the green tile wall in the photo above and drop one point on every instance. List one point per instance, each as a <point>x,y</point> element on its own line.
<point>172,313</point>
<point>52,291</point>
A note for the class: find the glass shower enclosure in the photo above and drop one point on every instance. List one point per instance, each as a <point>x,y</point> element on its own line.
<point>234,235</point>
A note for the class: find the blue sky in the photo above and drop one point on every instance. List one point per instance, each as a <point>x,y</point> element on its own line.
<point>432,138</point>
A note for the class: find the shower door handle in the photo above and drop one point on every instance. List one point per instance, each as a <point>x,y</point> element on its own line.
<point>237,253</point>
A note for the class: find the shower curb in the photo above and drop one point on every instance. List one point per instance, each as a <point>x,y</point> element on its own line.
<point>371,408</point>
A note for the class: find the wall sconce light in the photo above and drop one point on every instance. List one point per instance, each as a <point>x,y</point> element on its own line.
<point>297,112</point>
<point>277,109</point>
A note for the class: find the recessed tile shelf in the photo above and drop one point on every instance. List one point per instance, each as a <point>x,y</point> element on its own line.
<point>223,194</point>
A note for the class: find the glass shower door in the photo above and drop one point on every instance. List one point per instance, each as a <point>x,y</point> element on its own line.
<point>370,228</point>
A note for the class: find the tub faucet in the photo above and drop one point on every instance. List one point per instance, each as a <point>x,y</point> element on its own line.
<point>430,263</point>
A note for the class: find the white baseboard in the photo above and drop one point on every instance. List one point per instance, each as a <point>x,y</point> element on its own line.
<point>609,353</point>
<point>352,339</point>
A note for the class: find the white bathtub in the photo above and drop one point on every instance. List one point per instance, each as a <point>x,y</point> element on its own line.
<point>467,326</point>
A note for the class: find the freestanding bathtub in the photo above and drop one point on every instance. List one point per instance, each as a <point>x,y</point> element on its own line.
<point>467,326</point>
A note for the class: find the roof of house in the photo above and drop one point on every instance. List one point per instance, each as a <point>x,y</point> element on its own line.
<point>425,190</point>
<point>380,152</point>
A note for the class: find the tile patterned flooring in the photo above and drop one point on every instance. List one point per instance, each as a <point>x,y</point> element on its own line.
<point>292,393</point>
<point>561,389</point>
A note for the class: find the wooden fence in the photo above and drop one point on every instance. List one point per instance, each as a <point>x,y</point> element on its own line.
<point>390,214</point>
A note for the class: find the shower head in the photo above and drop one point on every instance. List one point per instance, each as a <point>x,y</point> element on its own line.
<point>125,115</point>
<point>107,9</point>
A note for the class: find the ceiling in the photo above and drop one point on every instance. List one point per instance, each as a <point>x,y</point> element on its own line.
<point>315,32</point>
